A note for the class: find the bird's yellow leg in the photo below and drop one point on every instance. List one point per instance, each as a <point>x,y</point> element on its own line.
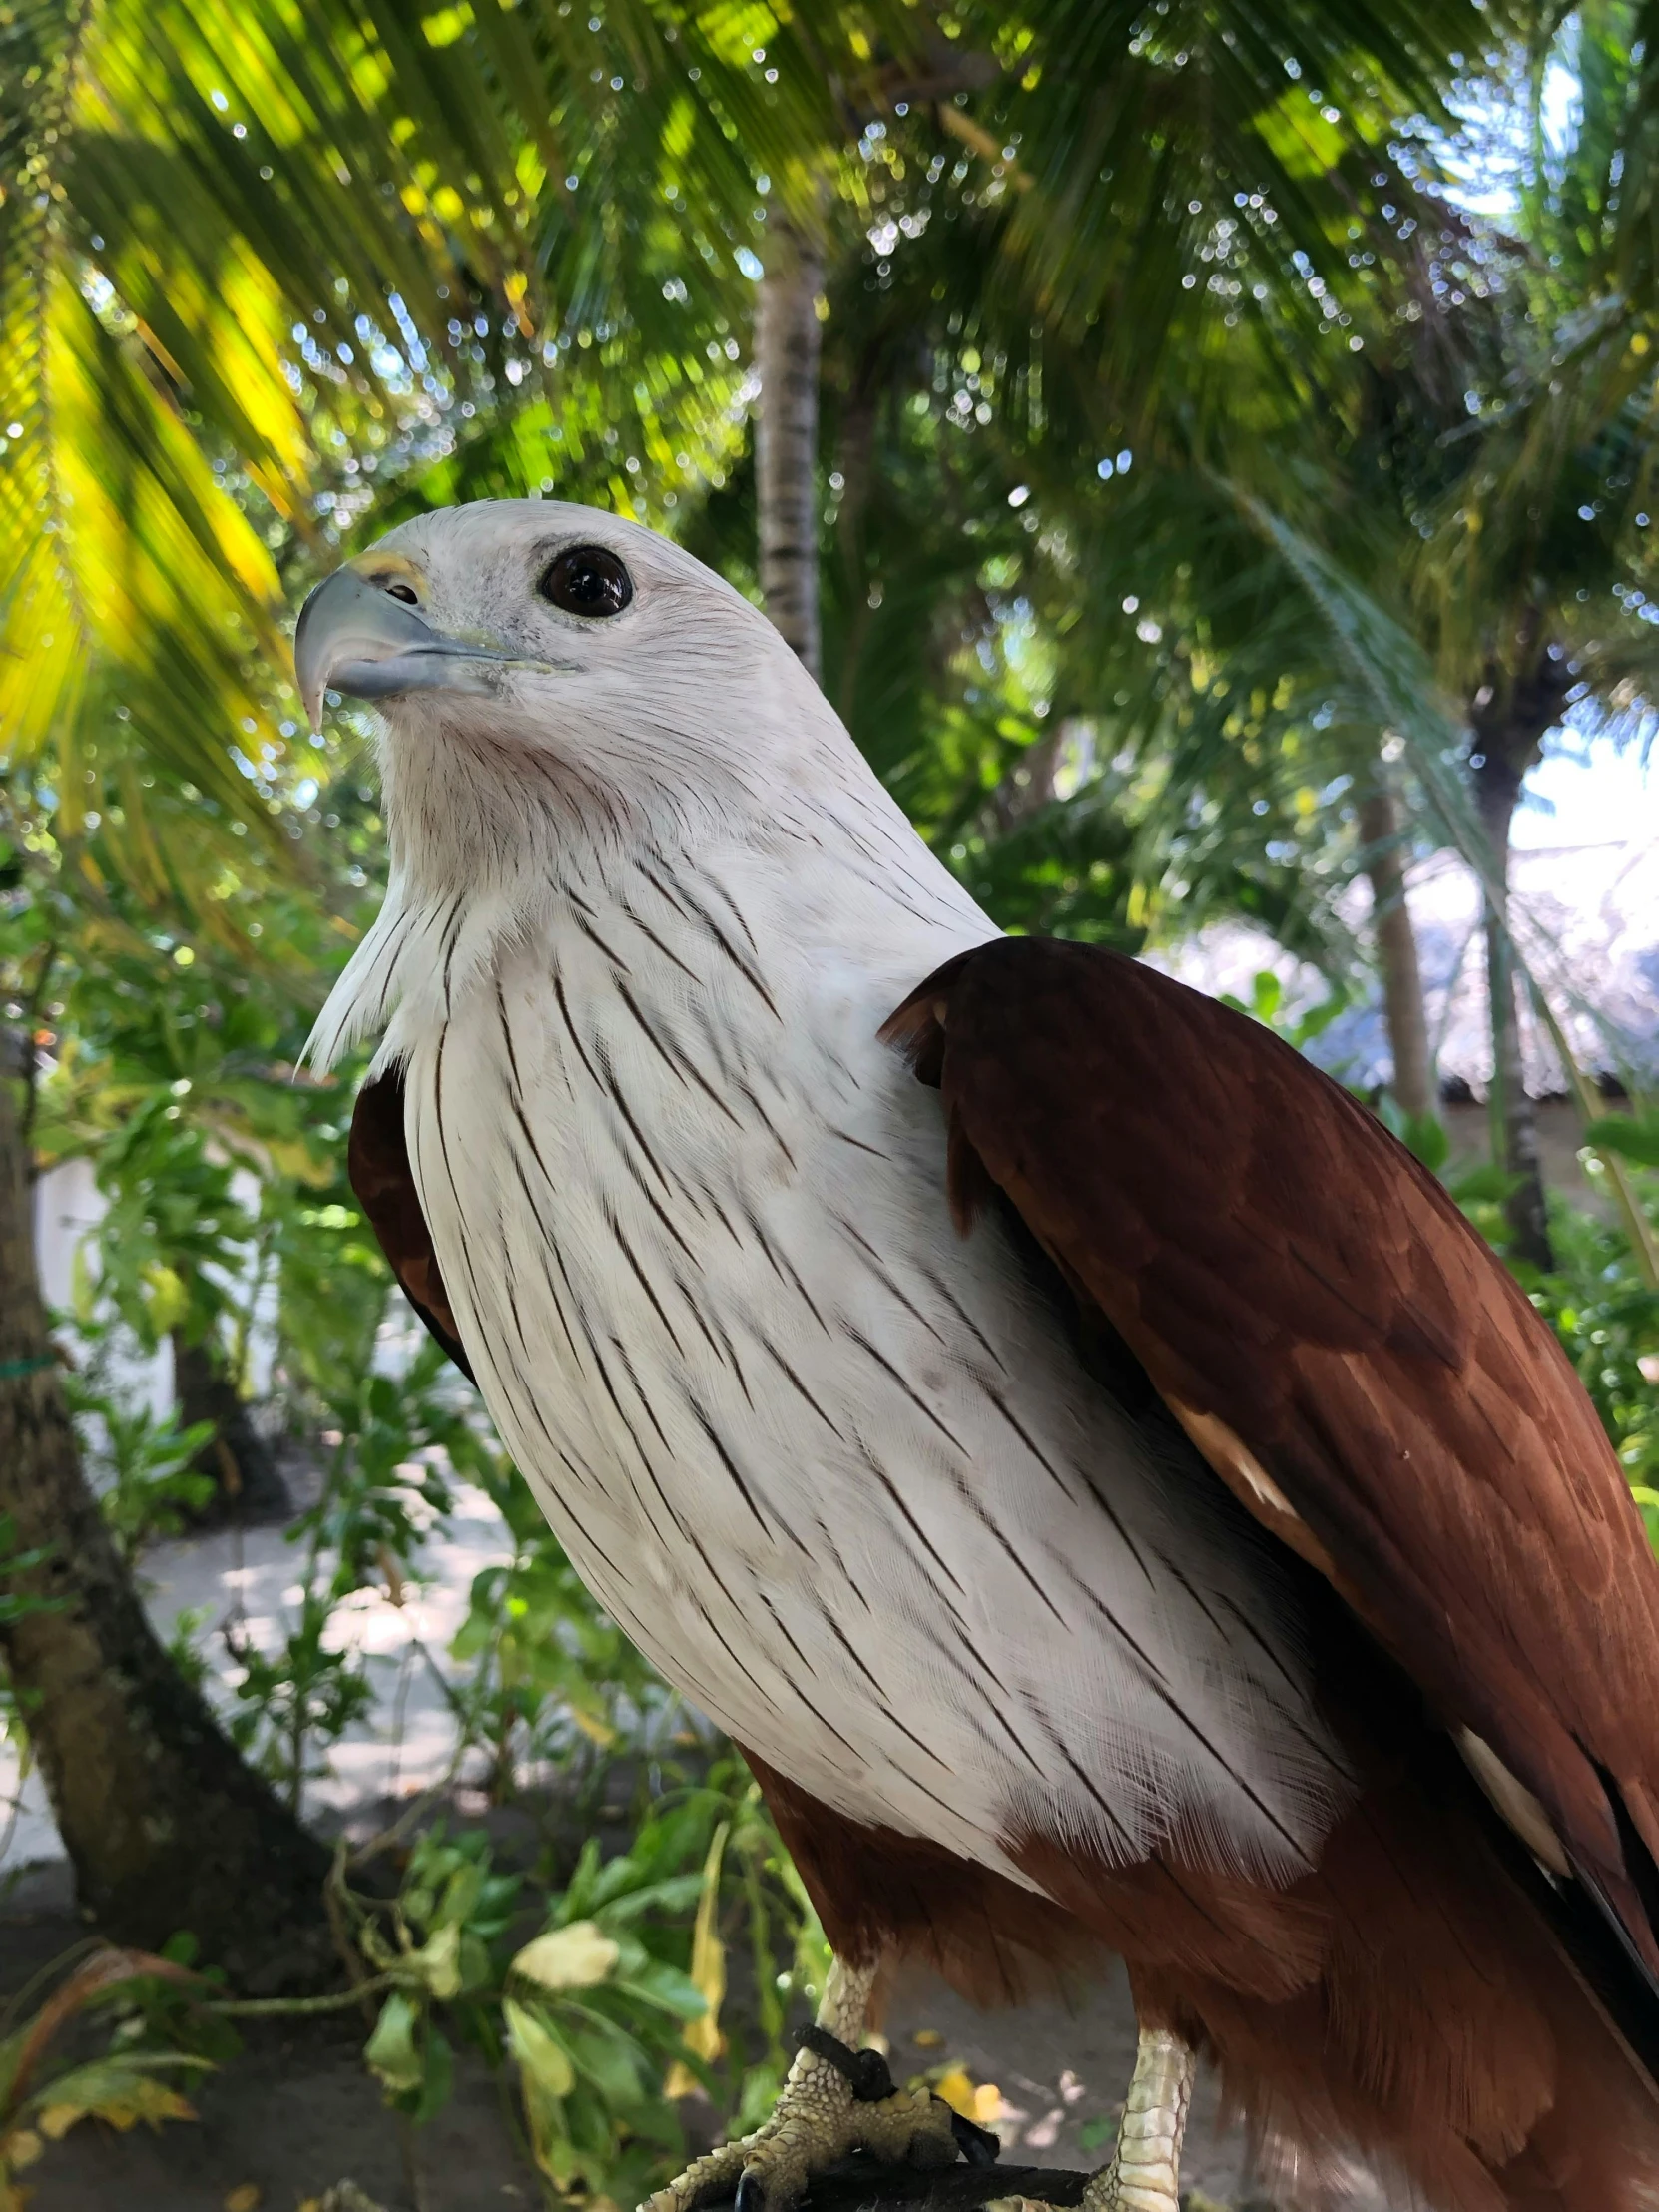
<point>822,2115</point>
<point>1146,2162</point>
<point>1143,2174</point>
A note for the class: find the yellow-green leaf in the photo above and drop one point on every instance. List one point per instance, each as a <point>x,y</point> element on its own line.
<point>538,2050</point>
<point>114,2091</point>
<point>708,1960</point>
<point>390,2052</point>
<point>438,1963</point>
<point>572,1958</point>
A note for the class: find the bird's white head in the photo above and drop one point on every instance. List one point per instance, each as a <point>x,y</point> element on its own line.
<point>547,673</point>
<point>560,692</point>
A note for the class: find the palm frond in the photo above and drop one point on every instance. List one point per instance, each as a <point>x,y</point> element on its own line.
<point>135,594</point>
<point>1216,191</point>
<point>262,253</point>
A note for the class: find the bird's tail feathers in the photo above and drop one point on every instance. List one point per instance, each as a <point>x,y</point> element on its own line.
<point>1475,2032</point>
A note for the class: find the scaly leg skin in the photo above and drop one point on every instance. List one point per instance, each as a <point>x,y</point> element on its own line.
<point>838,2099</point>
<point>1143,2174</point>
<point>1146,2162</point>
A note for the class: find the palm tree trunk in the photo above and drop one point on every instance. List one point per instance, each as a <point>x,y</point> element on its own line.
<point>1397,952</point>
<point>166,1826</point>
<point>1497,785</point>
<point>786,347</point>
<point>242,1467</point>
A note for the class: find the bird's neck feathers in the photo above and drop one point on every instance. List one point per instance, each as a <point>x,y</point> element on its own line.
<point>495,846</point>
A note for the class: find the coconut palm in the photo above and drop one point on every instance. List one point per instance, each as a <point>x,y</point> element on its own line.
<point>1534,583</point>
<point>1133,545</point>
<point>261,284</point>
<point>1182,201</point>
<point>1448,563</point>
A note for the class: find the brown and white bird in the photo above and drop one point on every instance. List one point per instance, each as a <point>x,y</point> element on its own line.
<point>1095,1474</point>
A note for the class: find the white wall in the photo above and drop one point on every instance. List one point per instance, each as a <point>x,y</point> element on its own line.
<point>67,1204</point>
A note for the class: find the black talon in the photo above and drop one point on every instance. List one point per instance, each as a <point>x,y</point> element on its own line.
<point>978,2145</point>
<point>866,2070</point>
<point>749,2195</point>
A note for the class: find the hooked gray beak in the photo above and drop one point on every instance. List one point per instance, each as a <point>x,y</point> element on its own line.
<point>361,632</point>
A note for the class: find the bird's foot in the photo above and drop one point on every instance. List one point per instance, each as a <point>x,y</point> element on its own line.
<point>835,2100</point>
<point>1143,2174</point>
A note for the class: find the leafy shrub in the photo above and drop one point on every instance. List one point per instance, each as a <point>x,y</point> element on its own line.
<point>44,2091</point>
<point>1607,1318</point>
<point>611,2013</point>
<point>377,1501</point>
<point>147,1486</point>
<point>1601,1306</point>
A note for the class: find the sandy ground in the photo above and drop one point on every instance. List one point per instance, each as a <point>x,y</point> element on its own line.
<point>252,1577</point>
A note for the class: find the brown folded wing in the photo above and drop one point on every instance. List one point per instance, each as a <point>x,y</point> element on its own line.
<point>1346,1352</point>
<point>378,1165</point>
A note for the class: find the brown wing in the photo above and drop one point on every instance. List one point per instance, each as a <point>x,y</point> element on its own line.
<point>377,1163</point>
<point>1346,1352</point>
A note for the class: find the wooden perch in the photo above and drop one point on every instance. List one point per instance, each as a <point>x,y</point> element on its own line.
<point>861,2184</point>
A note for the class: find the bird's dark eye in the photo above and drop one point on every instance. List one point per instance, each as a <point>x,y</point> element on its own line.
<point>394,587</point>
<point>588,580</point>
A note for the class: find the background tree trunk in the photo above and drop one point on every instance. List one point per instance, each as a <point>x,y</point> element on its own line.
<point>1497,785</point>
<point>237,1458</point>
<point>1511,714</point>
<point>787,341</point>
<point>164,1824</point>
<point>1397,951</point>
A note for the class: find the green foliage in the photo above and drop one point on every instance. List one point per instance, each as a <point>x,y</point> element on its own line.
<point>610,2012</point>
<point>148,1486</point>
<point>378,1499</point>
<point>1607,1319</point>
<point>601,1993</point>
<point>46,2090</point>
<point>174,1235</point>
<point>596,2008</point>
<point>183,1647</point>
<point>1635,1137</point>
<point>295,1701</point>
<point>16,1604</point>
<point>447,1924</point>
<point>330,1278</point>
<point>1422,1134</point>
<point>376,1503</point>
<point>176,1078</point>
<point>1267,1006</point>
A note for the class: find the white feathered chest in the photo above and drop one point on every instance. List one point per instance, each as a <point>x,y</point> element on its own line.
<point>836,1471</point>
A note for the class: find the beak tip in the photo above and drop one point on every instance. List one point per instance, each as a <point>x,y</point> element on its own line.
<point>345,628</point>
<point>311,658</point>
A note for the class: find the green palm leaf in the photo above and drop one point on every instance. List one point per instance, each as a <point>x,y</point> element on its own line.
<point>249,258</point>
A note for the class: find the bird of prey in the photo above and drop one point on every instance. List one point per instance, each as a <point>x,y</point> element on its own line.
<point>1095,1474</point>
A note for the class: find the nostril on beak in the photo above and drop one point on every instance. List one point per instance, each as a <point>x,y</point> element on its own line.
<point>406,592</point>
